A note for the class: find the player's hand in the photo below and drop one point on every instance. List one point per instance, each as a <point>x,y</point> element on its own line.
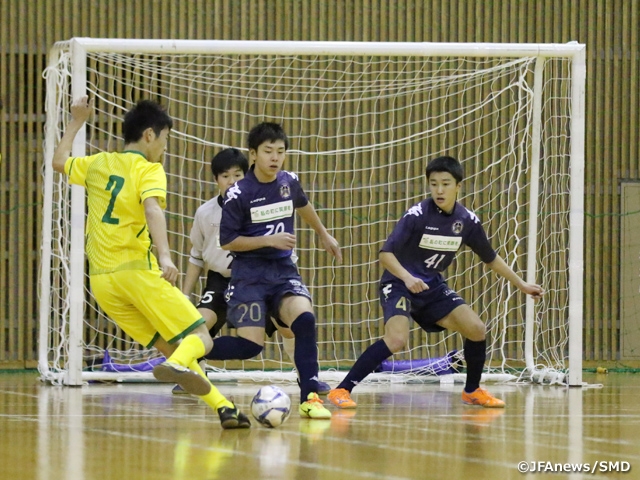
<point>332,246</point>
<point>536,291</point>
<point>416,285</point>
<point>169,270</point>
<point>283,241</point>
<point>81,109</point>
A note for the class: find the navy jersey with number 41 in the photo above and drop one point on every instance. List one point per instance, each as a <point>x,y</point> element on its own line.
<point>254,209</point>
<point>426,240</point>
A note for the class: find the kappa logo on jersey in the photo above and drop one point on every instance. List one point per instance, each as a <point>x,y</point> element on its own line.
<point>233,192</point>
<point>415,210</point>
<point>292,175</point>
<point>386,290</point>
<point>457,227</point>
<point>284,191</point>
<point>473,216</point>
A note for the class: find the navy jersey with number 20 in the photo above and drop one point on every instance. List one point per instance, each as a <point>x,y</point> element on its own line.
<point>254,209</point>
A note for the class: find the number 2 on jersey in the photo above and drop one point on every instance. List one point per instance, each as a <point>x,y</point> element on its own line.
<point>115,183</point>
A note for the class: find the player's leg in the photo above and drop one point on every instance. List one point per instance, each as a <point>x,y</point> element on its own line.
<point>296,312</point>
<point>172,313</point>
<point>148,308</point>
<point>213,308</point>
<point>151,310</point>
<point>247,312</point>
<point>289,345</point>
<point>213,305</point>
<point>395,338</point>
<point>395,301</point>
<point>229,415</point>
<point>466,322</point>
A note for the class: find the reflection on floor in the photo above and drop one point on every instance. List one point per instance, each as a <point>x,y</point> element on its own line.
<point>142,431</point>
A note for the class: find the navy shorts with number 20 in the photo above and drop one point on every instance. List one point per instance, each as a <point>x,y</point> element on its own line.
<point>257,287</point>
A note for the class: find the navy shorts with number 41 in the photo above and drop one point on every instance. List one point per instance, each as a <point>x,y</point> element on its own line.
<point>425,308</point>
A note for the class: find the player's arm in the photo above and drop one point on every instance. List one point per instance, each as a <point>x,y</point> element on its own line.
<point>390,263</point>
<point>196,264</point>
<point>330,244</point>
<point>191,278</point>
<point>158,229</point>
<point>81,110</point>
<point>499,266</point>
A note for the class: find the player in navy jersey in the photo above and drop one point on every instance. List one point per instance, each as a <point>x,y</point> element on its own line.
<point>421,246</point>
<point>258,227</point>
<point>228,166</point>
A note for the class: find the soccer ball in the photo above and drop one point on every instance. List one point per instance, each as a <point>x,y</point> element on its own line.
<point>271,406</point>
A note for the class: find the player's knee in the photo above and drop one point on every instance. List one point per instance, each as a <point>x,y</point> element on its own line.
<point>304,325</point>
<point>477,333</point>
<point>247,349</point>
<point>206,340</point>
<point>395,341</point>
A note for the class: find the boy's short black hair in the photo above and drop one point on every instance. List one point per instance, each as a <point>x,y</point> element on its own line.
<point>266,132</point>
<point>146,114</point>
<point>226,159</point>
<point>446,164</point>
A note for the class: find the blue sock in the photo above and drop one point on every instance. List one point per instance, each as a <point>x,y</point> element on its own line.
<point>305,353</point>
<point>475,354</point>
<point>233,348</point>
<point>366,363</point>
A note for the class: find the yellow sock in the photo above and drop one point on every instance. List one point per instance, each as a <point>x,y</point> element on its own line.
<point>214,398</point>
<point>190,348</point>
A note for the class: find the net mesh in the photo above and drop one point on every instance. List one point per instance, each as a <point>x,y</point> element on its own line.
<point>361,130</point>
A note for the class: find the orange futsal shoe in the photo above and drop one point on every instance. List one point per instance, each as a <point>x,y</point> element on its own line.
<point>340,398</point>
<point>481,397</point>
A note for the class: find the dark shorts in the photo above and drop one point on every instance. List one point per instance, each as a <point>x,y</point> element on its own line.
<point>425,308</point>
<point>257,288</point>
<point>213,299</point>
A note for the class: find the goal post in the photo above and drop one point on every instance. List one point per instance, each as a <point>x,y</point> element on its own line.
<point>362,118</point>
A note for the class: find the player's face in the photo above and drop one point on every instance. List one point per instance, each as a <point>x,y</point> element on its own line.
<point>228,178</point>
<point>444,190</point>
<point>268,158</point>
<point>157,145</point>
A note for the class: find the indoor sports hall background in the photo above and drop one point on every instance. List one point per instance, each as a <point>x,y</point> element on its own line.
<point>609,29</point>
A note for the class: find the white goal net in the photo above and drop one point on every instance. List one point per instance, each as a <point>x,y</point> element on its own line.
<point>363,119</point>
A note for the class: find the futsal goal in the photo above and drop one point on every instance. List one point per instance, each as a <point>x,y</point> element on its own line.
<point>363,119</point>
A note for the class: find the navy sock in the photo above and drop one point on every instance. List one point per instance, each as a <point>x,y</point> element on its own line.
<point>366,363</point>
<point>233,348</point>
<point>305,353</point>
<point>475,354</point>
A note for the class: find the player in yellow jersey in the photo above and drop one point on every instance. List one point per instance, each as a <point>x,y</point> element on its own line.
<point>126,197</point>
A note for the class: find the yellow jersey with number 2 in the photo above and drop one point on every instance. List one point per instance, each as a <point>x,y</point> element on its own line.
<point>117,237</point>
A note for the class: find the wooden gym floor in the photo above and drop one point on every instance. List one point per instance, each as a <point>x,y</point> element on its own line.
<point>142,431</point>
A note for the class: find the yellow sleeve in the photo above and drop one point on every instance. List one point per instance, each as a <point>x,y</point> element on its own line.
<point>76,168</point>
<point>153,183</point>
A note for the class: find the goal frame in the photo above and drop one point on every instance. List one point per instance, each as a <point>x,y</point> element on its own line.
<point>74,374</point>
